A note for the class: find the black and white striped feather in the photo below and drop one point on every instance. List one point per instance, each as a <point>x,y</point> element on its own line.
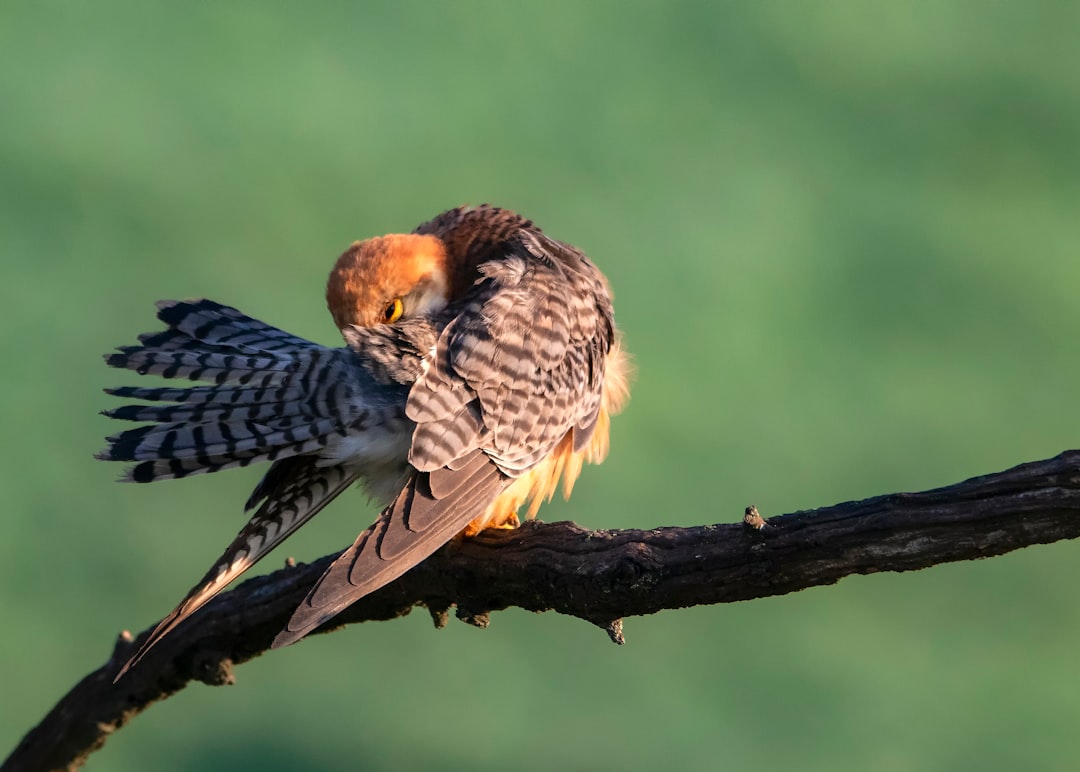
<point>277,398</point>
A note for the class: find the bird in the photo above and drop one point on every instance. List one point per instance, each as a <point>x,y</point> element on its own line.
<point>481,367</point>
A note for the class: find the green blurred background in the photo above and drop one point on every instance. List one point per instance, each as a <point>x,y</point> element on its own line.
<point>843,239</point>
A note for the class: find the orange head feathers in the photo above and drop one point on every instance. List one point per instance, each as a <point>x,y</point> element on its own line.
<point>383,279</point>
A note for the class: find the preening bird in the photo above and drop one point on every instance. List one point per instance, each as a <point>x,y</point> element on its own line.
<point>482,365</point>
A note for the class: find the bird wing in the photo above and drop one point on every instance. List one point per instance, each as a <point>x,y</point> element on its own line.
<point>519,366</point>
<point>294,490</point>
<point>430,510</point>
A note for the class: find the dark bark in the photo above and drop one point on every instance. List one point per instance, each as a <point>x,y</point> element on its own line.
<point>599,576</point>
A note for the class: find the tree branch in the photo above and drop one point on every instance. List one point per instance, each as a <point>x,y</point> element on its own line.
<point>598,576</point>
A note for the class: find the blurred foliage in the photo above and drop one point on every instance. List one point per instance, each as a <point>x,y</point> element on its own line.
<point>843,238</point>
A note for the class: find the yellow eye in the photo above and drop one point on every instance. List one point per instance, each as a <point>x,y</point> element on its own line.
<point>393,311</point>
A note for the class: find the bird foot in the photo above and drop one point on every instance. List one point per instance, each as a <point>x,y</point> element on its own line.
<point>510,521</point>
<point>507,521</point>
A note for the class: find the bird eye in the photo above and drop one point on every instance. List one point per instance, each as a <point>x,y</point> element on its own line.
<point>393,311</point>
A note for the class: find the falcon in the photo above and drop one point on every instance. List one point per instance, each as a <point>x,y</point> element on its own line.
<point>481,367</point>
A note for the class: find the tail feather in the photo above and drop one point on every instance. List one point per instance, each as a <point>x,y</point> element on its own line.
<point>277,395</point>
<point>203,364</point>
<point>201,403</point>
<point>211,322</point>
<point>213,439</point>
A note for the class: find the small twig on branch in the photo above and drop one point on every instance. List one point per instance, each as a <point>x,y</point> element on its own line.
<point>598,576</point>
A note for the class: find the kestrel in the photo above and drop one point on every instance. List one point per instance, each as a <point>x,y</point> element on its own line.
<point>482,365</point>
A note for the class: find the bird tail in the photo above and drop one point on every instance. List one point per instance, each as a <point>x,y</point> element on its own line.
<point>273,395</point>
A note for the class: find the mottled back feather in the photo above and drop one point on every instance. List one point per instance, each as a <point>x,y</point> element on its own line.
<point>519,364</point>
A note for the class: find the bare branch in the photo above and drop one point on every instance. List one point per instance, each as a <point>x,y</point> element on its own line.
<point>598,576</point>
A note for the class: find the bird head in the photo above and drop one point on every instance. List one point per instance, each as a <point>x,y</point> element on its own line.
<point>388,278</point>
